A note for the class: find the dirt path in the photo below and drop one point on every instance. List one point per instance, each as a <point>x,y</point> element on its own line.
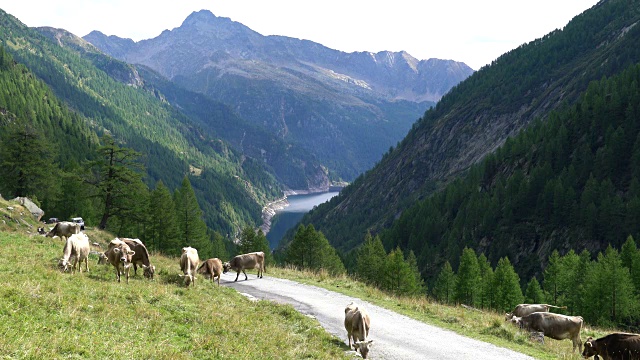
<point>395,336</point>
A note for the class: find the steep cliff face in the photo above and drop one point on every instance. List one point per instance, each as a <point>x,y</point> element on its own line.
<point>346,109</point>
<point>481,113</point>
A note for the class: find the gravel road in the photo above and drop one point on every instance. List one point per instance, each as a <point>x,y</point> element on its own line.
<point>395,336</point>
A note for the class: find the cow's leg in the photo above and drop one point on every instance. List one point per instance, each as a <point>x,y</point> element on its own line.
<point>245,274</point>
<point>135,269</point>
<point>86,263</point>
<point>118,274</point>
<point>238,274</point>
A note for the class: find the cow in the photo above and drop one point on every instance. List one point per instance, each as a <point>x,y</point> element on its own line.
<point>64,228</point>
<point>211,268</point>
<point>357,323</point>
<point>246,261</point>
<point>526,309</point>
<point>555,326</point>
<point>77,247</point>
<point>615,346</point>
<point>141,257</point>
<point>119,255</point>
<point>189,262</point>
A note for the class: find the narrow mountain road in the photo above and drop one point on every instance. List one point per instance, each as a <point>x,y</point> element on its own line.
<point>395,336</point>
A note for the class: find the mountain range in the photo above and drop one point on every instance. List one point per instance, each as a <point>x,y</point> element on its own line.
<point>346,109</point>
<point>473,120</point>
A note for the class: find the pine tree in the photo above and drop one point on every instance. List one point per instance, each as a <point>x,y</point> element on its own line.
<point>443,289</point>
<point>218,248</point>
<point>506,286</point>
<point>192,230</point>
<point>248,240</point>
<point>371,260</point>
<point>552,273</point>
<point>534,293</point>
<point>468,278</point>
<point>113,174</point>
<point>162,232</point>
<point>616,287</point>
<point>26,162</point>
<point>486,294</point>
<point>630,257</point>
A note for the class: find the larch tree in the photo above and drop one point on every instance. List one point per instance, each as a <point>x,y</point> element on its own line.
<point>444,287</point>
<point>468,278</point>
<point>162,231</point>
<point>506,284</point>
<point>192,231</point>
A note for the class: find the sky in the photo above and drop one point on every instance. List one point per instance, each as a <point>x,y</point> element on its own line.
<point>471,31</point>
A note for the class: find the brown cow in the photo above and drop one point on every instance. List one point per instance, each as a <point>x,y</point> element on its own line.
<point>211,268</point>
<point>119,255</point>
<point>526,309</point>
<point>616,346</point>
<point>555,326</point>
<point>189,262</point>
<point>141,257</point>
<point>357,323</point>
<point>246,261</point>
<point>77,247</point>
<point>64,229</point>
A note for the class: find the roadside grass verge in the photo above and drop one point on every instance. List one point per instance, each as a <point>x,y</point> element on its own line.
<point>46,314</point>
<point>483,325</point>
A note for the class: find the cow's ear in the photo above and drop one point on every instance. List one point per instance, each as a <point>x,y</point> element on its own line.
<point>131,252</point>
<point>370,342</point>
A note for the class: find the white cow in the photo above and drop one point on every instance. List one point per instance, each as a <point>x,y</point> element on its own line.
<point>77,247</point>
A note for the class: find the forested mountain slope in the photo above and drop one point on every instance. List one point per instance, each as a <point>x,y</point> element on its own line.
<point>231,186</point>
<point>479,114</point>
<point>346,109</point>
<point>293,166</point>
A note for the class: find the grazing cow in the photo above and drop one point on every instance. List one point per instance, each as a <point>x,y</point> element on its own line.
<point>77,247</point>
<point>246,261</point>
<point>119,255</point>
<point>616,346</point>
<point>64,228</point>
<point>189,262</point>
<point>211,268</point>
<point>357,323</point>
<point>526,309</point>
<point>141,257</point>
<point>41,231</point>
<point>555,326</point>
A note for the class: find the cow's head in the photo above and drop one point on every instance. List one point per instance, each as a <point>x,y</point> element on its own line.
<point>364,347</point>
<point>188,279</point>
<point>508,316</point>
<point>149,271</point>
<point>225,267</point>
<point>124,254</point>
<point>63,265</point>
<point>589,349</point>
<point>517,321</point>
<point>103,260</point>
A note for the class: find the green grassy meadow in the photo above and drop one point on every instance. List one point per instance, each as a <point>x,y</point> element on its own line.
<point>47,314</point>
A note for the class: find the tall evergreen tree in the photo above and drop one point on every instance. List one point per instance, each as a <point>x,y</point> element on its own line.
<point>534,293</point>
<point>27,166</point>
<point>630,257</point>
<point>218,247</point>
<point>248,241</point>
<point>191,226</point>
<point>112,176</point>
<point>486,294</point>
<point>552,274</point>
<point>162,231</point>
<point>468,278</point>
<point>444,287</point>
<point>371,260</point>
<point>507,286</point>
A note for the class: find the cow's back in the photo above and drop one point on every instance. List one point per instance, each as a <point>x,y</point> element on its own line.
<point>615,346</point>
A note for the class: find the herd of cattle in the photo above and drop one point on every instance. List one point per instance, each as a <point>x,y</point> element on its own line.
<point>123,253</point>
<point>537,318</point>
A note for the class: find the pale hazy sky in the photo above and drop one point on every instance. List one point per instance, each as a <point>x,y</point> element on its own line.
<point>472,31</point>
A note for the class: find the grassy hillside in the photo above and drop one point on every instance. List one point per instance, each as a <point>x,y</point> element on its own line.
<point>46,314</point>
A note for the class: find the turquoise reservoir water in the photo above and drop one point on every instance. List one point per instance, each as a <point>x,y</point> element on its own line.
<point>288,217</point>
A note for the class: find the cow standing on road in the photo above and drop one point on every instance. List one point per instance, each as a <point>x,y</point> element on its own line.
<point>246,261</point>
<point>357,323</point>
